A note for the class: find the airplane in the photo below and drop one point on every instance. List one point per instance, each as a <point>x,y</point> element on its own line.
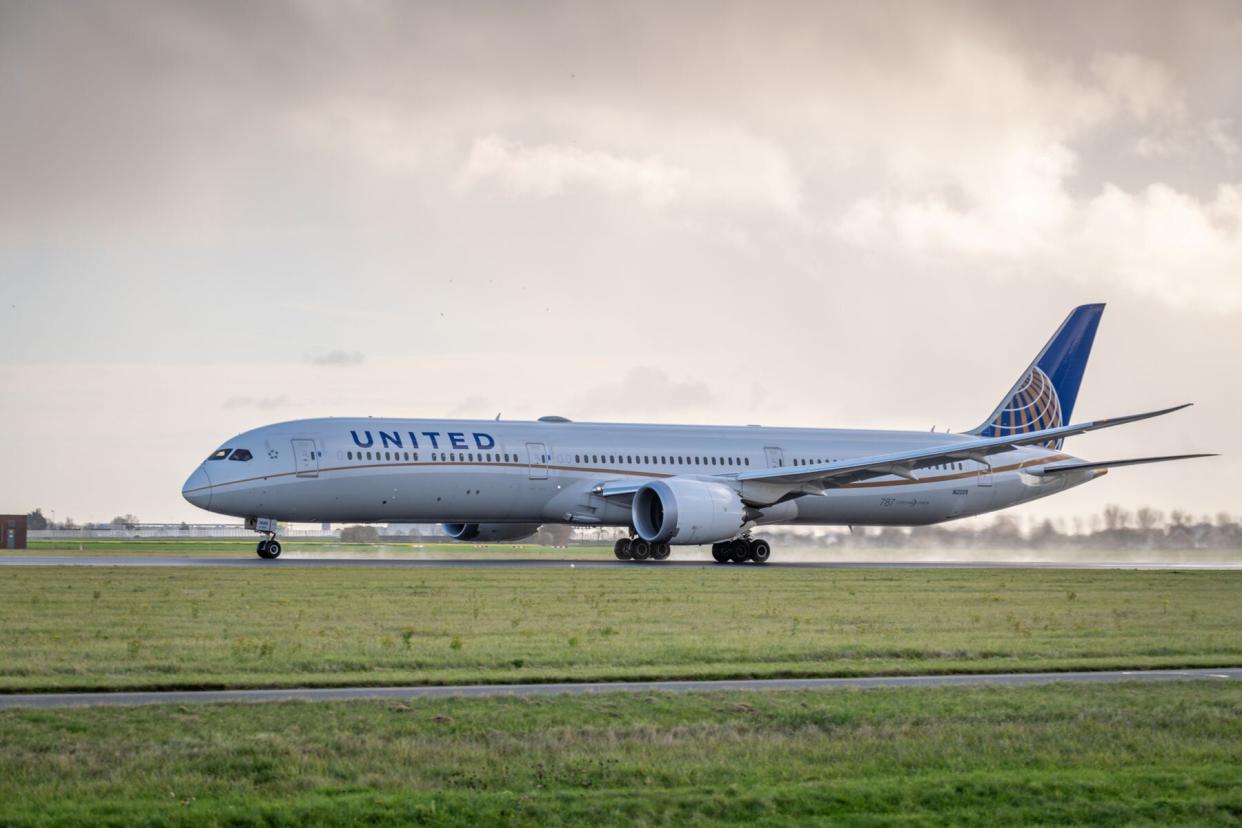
<point>669,485</point>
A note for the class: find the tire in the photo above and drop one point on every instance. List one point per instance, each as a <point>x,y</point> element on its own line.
<point>760,551</point>
<point>622,549</point>
<point>262,550</point>
<point>660,551</point>
<point>640,550</point>
<point>273,549</point>
<point>720,552</point>
<point>739,551</point>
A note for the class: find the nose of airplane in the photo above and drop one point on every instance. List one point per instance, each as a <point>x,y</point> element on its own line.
<point>197,488</point>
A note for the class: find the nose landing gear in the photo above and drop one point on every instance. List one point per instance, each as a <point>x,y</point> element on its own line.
<point>269,549</point>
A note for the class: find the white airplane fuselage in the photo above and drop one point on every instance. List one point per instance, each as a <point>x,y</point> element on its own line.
<point>483,471</point>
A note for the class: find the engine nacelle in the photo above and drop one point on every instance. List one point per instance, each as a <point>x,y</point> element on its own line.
<point>688,511</point>
<point>490,532</point>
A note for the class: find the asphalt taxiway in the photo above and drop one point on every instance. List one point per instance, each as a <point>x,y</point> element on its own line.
<point>494,690</point>
<point>565,563</point>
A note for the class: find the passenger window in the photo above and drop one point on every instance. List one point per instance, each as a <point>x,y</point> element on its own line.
<point>747,459</point>
<point>368,455</point>
<point>349,455</point>
<point>241,454</point>
<point>416,457</point>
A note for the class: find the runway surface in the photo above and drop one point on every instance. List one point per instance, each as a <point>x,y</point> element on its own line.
<point>492,690</point>
<point>565,563</point>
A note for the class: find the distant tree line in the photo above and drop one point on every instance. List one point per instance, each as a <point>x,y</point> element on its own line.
<point>37,520</point>
<point>1114,528</point>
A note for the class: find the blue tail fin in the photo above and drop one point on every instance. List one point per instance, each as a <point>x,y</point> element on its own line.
<point>1044,396</point>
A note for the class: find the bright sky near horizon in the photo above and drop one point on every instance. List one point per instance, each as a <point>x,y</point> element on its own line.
<point>218,215</point>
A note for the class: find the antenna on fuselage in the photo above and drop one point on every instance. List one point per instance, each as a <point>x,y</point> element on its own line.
<point>497,415</point>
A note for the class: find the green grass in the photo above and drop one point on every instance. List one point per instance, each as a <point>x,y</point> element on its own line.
<point>77,628</point>
<point>1133,754</point>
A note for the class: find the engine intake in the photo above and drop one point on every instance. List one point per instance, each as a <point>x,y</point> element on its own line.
<point>688,512</point>
<point>490,532</point>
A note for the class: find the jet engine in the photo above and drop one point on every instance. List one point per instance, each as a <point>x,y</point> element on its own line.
<point>490,532</point>
<point>688,511</point>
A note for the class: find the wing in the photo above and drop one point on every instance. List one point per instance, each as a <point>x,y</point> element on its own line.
<point>1108,464</point>
<point>903,464</point>
<point>813,479</point>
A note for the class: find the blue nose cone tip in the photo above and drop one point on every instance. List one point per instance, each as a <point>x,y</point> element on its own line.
<point>197,488</point>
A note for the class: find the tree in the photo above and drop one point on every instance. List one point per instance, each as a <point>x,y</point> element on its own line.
<point>1149,518</point>
<point>36,520</point>
<point>1115,517</point>
<point>127,520</point>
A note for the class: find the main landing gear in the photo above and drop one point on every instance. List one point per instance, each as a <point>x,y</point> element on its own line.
<point>637,549</point>
<point>269,547</point>
<point>741,550</point>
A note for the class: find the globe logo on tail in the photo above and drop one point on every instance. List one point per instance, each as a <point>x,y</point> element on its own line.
<point>1033,406</point>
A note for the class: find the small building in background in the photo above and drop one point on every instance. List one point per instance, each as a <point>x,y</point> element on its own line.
<point>12,531</point>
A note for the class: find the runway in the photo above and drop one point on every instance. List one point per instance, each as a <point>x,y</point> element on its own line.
<point>248,562</point>
<point>500,690</point>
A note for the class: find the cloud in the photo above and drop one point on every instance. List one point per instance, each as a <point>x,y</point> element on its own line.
<point>646,391</point>
<point>473,406</point>
<point>337,358</point>
<point>261,403</point>
<point>717,170</point>
<point>552,170</point>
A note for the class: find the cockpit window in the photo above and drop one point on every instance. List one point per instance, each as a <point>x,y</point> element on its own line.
<point>241,454</point>
<point>220,454</point>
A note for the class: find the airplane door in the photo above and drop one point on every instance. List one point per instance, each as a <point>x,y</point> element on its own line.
<point>537,456</point>
<point>305,458</point>
<point>776,458</point>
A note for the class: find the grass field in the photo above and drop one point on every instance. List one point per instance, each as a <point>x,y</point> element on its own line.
<point>79,628</point>
<point>1140,754</point>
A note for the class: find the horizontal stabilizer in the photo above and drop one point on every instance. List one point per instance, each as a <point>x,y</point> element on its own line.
<point>1111,464</point>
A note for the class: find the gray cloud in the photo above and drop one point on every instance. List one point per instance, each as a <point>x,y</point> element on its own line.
<point>261,403</point>
<point>337,357</point>
<point>643,389</point>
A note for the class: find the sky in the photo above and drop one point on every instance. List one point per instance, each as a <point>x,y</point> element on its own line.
<point>219,215</point>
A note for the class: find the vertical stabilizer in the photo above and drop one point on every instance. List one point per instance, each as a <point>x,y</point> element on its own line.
<point>1044,395</point>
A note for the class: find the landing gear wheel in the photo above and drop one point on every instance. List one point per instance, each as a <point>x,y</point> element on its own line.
<point>760,551</point>
<point>720,553</point>
<point>660,551</point>
<point>262,549</point>
<point>739,550</point>
<point>622,549</point>
<point>640,550</point>
<point>273,549</point>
